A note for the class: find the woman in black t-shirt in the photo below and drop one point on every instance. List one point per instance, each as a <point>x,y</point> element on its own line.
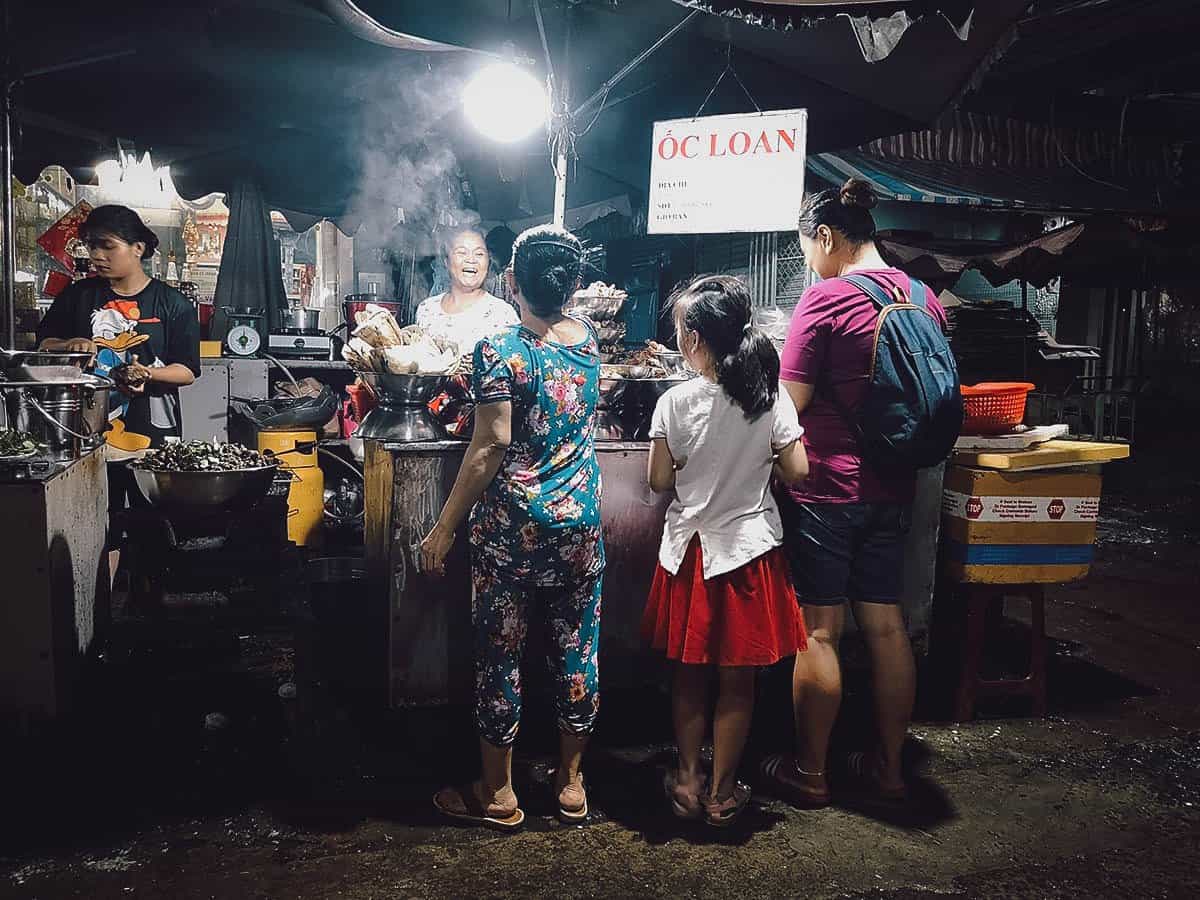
<point>126,319</point>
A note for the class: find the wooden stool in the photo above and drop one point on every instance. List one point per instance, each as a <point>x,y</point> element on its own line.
<point>979,598</point>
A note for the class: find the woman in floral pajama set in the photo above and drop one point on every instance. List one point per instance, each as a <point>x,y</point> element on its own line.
<point>537,554</point>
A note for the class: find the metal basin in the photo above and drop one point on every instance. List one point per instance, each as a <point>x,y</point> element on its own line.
<point>672,361</point>
<point>11,359</point>
<point>237,489</point>
<point>404,390</point>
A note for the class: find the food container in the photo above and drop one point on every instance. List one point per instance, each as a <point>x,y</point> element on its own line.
<point>672,361</point>
<point>64,409</point>
<point>300,319</point>
<point>625,405</point>
<point>13,361</point>
<point>402,413</point>
<point>230,489</point>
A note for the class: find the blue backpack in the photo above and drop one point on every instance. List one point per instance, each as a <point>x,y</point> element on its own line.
<point>912,410</point>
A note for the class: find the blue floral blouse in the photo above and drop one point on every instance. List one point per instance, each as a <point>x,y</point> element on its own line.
<point>538,522</point>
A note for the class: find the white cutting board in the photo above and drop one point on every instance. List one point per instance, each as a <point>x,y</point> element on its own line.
<point>1017,440</point>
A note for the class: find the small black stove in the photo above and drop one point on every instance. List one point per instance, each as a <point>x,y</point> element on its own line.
<point>296,343</point>
<point>177,551</point>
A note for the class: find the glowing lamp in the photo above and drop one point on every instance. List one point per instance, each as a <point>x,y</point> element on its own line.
<point>505,102</point>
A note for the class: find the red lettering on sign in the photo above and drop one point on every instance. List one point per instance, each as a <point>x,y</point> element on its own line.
<point>734,141</point>
<point>712,146</point>
<point>683,146</point>
<point>784,137</point>
<point>662,147</point>
<point>764,143</point>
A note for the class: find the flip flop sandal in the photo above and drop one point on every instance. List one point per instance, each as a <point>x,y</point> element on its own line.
<point>773,770</point>
<point>722,814</point>
<point>670,787</point>
<point>573,816</point>
<point>864,783</point>
<point>474,813</point>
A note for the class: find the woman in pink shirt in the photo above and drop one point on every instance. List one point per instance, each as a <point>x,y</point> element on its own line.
<point>846,525</point>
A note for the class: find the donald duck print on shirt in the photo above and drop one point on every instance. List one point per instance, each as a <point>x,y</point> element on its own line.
<point>156,327</point>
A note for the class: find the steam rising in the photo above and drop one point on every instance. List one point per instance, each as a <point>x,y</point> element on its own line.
<point>411,185</point>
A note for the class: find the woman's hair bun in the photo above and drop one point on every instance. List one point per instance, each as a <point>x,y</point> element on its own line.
<point>121,222</point>
<point>857,192</point>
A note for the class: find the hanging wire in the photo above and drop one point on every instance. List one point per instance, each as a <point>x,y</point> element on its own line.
<point>728,70</point>
<point>1070,162</point>
<point>596,117</point>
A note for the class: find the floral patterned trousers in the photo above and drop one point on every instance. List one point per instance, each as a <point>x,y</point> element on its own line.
<point>502,613</point>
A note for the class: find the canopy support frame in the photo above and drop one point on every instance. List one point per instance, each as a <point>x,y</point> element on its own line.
<point>563,137</point>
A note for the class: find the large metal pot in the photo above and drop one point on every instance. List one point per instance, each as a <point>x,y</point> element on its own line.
<point>64,409</point>
<point>300,318</point>
<point>13,360</point>
<point>403,411</point>
<point>236,489</point>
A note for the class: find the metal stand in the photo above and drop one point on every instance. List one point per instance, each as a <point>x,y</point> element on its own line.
<point>9,222</point>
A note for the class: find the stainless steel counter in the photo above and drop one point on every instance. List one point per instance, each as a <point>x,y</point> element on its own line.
<point>430,638</point>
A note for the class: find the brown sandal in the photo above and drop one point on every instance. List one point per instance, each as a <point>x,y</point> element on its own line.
<point>576,815</point>
<point>775,771</point>
<point>723,813</point>
<point>473,811</point>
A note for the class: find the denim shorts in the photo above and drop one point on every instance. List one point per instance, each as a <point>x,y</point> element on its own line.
<point>846,551</point>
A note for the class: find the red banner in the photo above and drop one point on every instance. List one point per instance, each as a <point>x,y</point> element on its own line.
<point>58,237</point>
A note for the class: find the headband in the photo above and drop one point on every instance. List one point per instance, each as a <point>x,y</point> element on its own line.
<point>553,242</point>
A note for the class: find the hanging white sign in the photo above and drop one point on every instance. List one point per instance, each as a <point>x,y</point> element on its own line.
<point>719,174</point>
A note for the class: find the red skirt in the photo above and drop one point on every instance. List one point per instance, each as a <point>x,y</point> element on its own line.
<point>747,617</point>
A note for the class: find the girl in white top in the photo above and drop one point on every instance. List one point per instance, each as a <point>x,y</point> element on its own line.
<point>465,313</point>
<point>722,595</point>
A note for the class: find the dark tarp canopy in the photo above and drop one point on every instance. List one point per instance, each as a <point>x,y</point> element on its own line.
<point>279,91</point>
<point>1099,252</point>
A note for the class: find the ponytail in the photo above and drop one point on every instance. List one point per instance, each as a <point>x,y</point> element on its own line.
<point>718,308</point>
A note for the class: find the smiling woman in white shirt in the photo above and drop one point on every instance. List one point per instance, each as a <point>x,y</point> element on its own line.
<point>721,594</point>
<point>465,313</point>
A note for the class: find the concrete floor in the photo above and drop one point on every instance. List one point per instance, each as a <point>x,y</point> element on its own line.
<point>1100,799</point>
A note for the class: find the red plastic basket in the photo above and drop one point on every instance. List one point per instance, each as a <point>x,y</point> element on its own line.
<point>994,407</point>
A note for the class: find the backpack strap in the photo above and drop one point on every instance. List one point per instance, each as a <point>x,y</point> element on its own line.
<point>883,297</point>
<point>918,293</point>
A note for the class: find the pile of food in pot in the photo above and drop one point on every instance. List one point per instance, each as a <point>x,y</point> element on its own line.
<point>202,456</point>
<point>380,345</point>
<point>17,443</point>
<point>642,365</point>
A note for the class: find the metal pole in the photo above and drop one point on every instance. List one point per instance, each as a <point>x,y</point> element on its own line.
<point>633,64</point>
<point>9,224</point>
<point>563,143</point>
<point>560,185</point>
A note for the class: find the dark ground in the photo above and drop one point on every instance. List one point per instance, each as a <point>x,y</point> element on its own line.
<point>307,798</point>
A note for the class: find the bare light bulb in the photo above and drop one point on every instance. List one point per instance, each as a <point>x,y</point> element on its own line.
<point>505,102</point>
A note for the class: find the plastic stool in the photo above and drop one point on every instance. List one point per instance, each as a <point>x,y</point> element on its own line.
<point>971,685</point>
